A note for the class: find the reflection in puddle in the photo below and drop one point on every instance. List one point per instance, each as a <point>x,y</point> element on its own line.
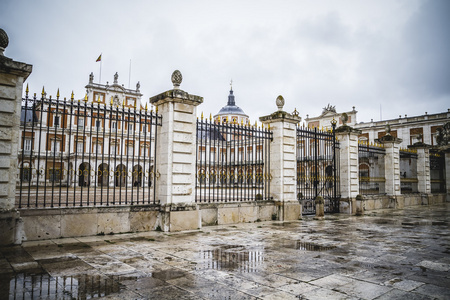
<point>235,258</point>
<point>306,246</point>
<point>26,286</point>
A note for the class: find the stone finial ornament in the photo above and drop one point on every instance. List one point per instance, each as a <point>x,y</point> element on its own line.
<point>177,78</point>
<point>280,102</point>
<point>138,86</point>
<point>387,129</point>
<point>91,77</point>
<point>116,77</point>
<point>4,41</point>
<point>344,119</point>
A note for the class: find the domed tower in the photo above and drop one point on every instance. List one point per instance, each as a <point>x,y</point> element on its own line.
<point>231,112</point>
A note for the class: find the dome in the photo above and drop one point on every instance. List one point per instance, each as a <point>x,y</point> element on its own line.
<point>231,108</point>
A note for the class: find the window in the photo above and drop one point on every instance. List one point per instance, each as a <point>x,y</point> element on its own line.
<point>130,150</point>
<point>130,126</point>
<point>98,148</point>
<point>98,124</point>
<point>113,149</point>
<point>54,174</point>
<point>56,122</point>
<point>80,123</point>
<point>55,146</point>
<point>27,145</point>
<point>80,147</point>
<point>25,173</point>
<point>114,126</point>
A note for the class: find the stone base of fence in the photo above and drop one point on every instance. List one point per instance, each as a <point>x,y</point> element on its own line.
<point>42,224</point>
<point>373,202</point>
<point>242,212</point>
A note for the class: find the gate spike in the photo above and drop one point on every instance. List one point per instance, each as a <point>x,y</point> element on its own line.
<point>156,109</point>
<point>57,95</point>
<point>112,102</point>
<point>85,98</point>
<point>71,96</point>
<point>26,91</point>
<point>210,117</point>
<point>146,107</point>
<point>98,99</point>
<point>202,116</point>
<point>43,92</point>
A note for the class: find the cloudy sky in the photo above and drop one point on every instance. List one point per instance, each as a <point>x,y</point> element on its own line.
<point>386,58</point>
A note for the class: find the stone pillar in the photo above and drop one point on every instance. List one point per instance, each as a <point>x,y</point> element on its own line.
<point>348,165</point>
<point>283,162</point>
<point>391,165</point>
<point>12,76</point>
<point>175,157</point>
<point>423,168</point>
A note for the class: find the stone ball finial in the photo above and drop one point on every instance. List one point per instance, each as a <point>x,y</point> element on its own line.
<point>280,102</point>
<point>4,41</point>
<point>177,78</point>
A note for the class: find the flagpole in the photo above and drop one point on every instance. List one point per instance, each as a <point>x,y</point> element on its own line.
<point>100,70</point>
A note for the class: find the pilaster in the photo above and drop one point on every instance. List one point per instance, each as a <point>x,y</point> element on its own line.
<point>283,163</point>
<point>175,160</point>
<point>348,151</point>
<point>423,168</point>
<point>391,164</point>
<point>12,76</point>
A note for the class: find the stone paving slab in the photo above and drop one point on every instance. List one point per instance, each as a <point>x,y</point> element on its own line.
<point>386,254</point>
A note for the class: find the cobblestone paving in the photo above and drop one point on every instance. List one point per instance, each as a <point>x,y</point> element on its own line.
<point>386,254</point>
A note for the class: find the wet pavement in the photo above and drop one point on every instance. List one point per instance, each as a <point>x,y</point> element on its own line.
<point>386,254</point>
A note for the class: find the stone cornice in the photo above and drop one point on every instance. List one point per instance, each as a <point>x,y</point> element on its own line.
<point>7,65</point>
<point>347,129</point>
<point>280,116</point>
<point>176,95</point>
<point>389,139</point>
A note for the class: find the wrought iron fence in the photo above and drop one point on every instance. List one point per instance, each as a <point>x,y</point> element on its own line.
<point>408,171</point>
<point>371,169</point>
<point>317,169</point>
<point>74,153</point>
<point>437,169</point>
<point>232,162</point>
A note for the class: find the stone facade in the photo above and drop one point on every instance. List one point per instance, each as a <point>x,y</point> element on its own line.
<point>12,76</point>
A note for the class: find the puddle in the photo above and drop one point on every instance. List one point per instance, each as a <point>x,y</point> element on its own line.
<point>168,274</point>
<point>306,246</point>
<point>32,286</point>
<point>232,258</point>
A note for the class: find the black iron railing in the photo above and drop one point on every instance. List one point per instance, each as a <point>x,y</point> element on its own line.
<point>317,169</point>
<point>232,162</point>
<point>437,169</point>
<point>371,169</point>
<point>408,171</point>
<point>74,153</point>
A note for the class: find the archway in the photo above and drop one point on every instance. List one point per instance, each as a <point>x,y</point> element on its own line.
<point>120,175</point>
<point>103,175</point>
<point>84,178</point>
<point>137,175</point>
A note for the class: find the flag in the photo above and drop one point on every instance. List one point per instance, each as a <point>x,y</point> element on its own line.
<point>99,58</point>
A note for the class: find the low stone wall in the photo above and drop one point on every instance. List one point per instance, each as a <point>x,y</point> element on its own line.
<point>242,212</point>
<point>50,223</point>
<point>372,202</point>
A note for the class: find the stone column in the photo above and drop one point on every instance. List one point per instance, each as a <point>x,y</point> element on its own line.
<point>12,76</point>
<point>423,168</point>
<point>283,162</point>
<point>348,166</point>
<point>391,165</point>
<point>175,157</point>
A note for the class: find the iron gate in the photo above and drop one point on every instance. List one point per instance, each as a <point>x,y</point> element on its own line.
<point>317,169</point>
